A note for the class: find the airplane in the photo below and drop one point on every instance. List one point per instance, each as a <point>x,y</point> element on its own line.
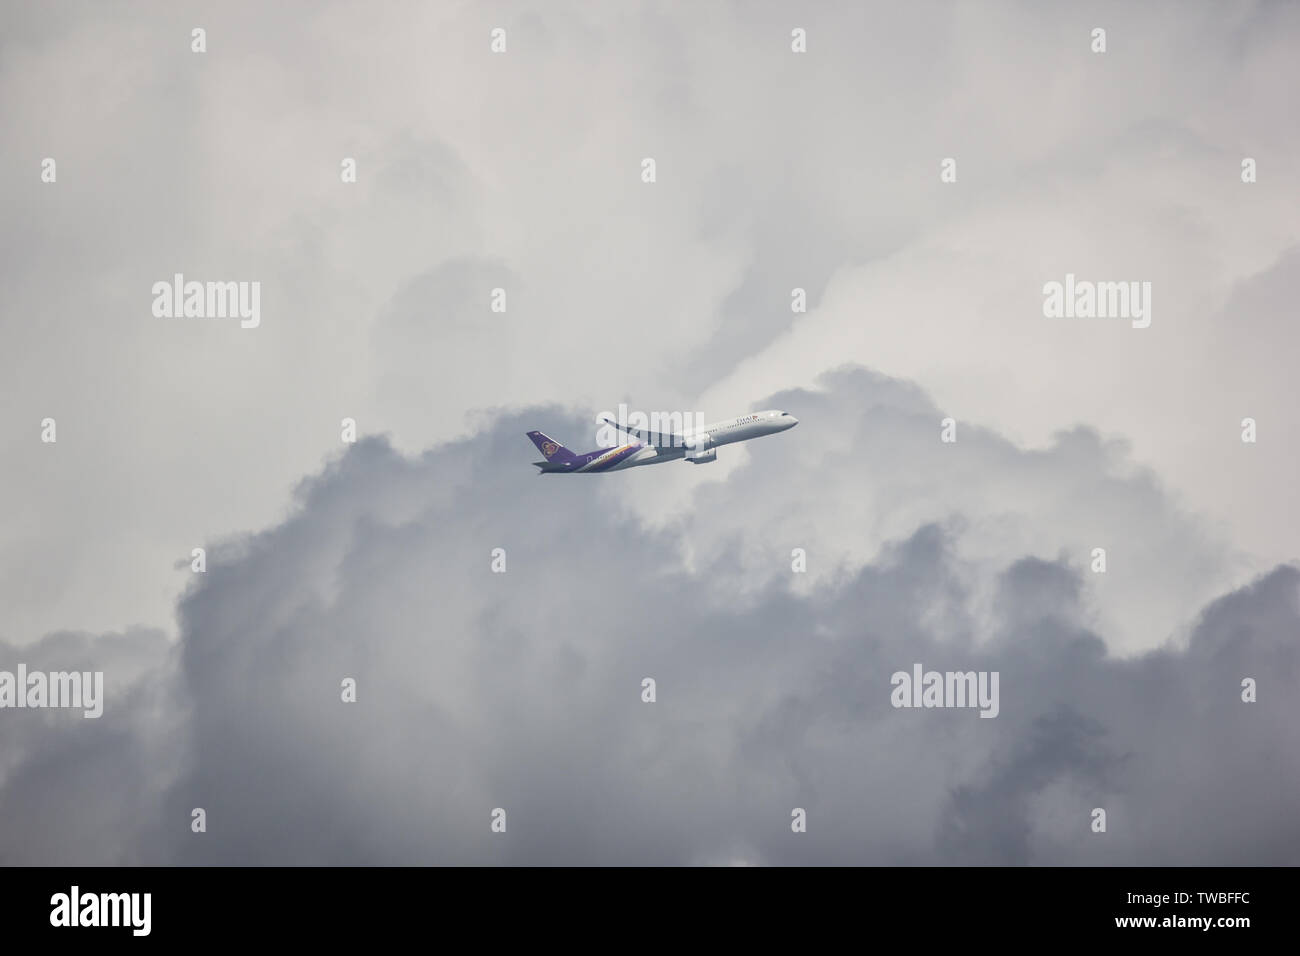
<point>696,447</point>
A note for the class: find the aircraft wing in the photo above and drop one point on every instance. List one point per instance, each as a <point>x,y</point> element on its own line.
<point>650,438</point>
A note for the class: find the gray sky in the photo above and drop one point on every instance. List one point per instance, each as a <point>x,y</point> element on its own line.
<point>775,170</point>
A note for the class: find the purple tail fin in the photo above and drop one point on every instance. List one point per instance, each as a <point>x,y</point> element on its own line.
<point>550,448</point>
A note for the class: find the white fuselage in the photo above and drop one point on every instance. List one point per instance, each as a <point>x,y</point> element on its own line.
<point>697,445</point>
<point>745,427</point>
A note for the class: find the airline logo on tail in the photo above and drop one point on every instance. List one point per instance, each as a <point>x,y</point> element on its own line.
<point>551,448</point>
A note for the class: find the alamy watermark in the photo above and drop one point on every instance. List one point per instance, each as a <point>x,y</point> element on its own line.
<point>1084,299</point>
<point>208,300</point>
<point>75,908</point>
<point>55,689</point>
<point>923,688</point>
<point>665,429</point>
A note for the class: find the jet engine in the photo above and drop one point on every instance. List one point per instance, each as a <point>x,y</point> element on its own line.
<point>696,457</point>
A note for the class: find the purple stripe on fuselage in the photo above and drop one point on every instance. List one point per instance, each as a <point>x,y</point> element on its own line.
<point>619,456</point>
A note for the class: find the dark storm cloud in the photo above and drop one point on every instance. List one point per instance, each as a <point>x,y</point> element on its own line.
<point>522,690</point>
<point>73,789</point>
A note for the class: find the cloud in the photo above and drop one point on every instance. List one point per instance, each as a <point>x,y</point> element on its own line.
<point>74,789</point>
<point>776,170</point>
<point>522,690</point>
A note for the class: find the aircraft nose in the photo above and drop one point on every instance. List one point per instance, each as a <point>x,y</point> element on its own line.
<point>793,421</point>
